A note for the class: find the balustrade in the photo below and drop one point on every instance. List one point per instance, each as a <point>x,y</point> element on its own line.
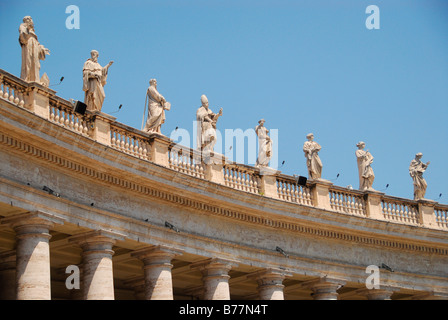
<point>186,161</point>
<point>343,200</point>
<point>289,190</point>
<point>400,210</point>
<point>241,178</point>
<point>157,149</point>
<point>12,91</point>
<point>129,142</point>
<point>65,116</point>
<point>441,214</point>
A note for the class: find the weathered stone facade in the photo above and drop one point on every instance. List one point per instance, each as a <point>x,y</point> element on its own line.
<point>142,221</point>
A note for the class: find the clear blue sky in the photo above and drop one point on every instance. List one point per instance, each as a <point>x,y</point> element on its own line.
<point>303,66</point>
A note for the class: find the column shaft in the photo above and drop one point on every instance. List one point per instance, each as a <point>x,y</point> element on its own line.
<point>157,268</point>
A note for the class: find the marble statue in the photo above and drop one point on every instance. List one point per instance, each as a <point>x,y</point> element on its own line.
<point>94,80</point>
<point>264,145</point>
<point>313,162</point>
<point>32,53</point>
<point>206,130</point>
<point>365,171</point>
<point>156,108</point>
<point>416,169</point>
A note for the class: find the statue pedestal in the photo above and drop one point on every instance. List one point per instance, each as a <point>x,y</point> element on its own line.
<point>268,177</point>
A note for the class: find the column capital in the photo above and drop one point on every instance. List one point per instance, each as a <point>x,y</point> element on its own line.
<point>215,264</point>
<point>270,274</point>
<point>156,252</point>
<point>270,283</point>
<point>215,277</point>
<point>32,218</point>
<point>324,288</point>
<point>157,267</point>
<point>381,293</point>
<point>96,236</point>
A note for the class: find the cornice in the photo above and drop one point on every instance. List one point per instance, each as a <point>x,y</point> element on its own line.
<point>283,224</point>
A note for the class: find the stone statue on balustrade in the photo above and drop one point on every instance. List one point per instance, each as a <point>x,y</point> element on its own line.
<point>94,80</point>
<point>416,170</point>
<point>264,145</point>
<point>32,53</point>
<point>365,171</point>
<point>206,127</point>
<point>311,149</point>
<point>156,108</point>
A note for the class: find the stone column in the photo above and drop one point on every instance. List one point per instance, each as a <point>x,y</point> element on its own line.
<point>270,284</point>
<point>97,267</point>
<point>215,278</point>
<point>32,254</point>
<point>157,267</point>
<point>8,275</point>
<point>324,288</point>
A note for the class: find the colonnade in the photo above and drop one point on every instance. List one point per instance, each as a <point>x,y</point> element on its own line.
<point>25,271</point>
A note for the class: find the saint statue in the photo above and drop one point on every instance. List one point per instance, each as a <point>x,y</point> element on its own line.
<point>416,169</point>
<point>365,171</point>
<point>32,52</point>
<point>206,130</point>
<point>94,79</point>
<point>264,145</point>
<point>156,108</point>
<point>313,162</point>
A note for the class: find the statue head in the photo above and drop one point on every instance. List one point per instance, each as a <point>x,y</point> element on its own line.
<point>261,121</point>
<point>310,136</point>
<point>29,21</point>
<point>361,144</point>
<point>419,155</point>
<point>94,55</point>
<point>204,101</point>
<point>153,82</point>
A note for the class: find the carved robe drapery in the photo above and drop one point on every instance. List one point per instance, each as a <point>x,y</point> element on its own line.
<point>156,110</point>
<point>32,53</point>
<point>206,130</point>
<point>366,175</point>
<point>264,146</point>
<point>94,79</point>
<point>416,169</point>
<point>313,162</point>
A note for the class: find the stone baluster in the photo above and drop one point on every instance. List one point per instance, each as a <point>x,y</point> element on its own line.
<point>157,268</point>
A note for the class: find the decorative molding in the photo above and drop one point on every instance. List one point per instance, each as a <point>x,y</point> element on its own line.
<point>208,207</point>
